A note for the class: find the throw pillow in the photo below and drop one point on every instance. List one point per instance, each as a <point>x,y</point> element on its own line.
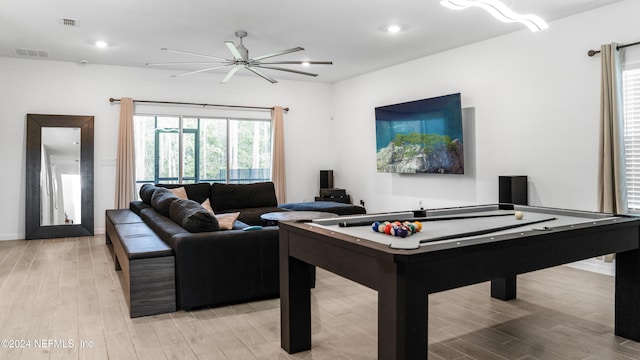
<point>226,221</point>
<point>207,205</point>
<point>180,192</point>
<point>161,200</point>
<point>192,216</point>
<point>146,192</point>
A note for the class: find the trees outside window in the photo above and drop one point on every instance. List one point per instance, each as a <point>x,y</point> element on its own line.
<point>181,149</point>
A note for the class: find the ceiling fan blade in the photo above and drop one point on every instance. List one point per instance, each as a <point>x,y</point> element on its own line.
<point>297,63</point>
<point>289,70</point>
<point>288,51</point>
<point>201,70</point>
<point>192,53</point>
<point>230,74</point>
<point>261,74</point>
<point>234,51</point>
<point>189,63</point>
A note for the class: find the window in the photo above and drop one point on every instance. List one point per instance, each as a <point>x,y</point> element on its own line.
<point>182,149</point>
<point>631,105</point>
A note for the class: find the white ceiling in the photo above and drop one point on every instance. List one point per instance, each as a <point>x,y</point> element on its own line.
<point>349,33</point>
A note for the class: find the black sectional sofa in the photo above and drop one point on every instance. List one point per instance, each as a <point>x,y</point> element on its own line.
<point>173,254</point>
<point>212,267</point>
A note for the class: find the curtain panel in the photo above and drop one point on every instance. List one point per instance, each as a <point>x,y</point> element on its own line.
<point>278,173</point>
<point>612,188</point>
<point>125,162</point>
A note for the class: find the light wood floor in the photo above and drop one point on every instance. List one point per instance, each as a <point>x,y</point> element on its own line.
<point>65,292</point>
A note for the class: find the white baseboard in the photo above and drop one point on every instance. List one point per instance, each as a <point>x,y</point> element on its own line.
<point>595,265</point>
<point>4,237</point>
<point>7,237</point>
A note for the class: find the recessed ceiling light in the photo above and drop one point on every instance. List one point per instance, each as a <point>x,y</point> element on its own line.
<point>306,63</point>
<point>394,28</point>
<point>102,44</point>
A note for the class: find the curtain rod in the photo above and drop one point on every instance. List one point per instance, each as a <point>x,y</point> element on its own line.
<point>200,104</point>
<point>593,52</point>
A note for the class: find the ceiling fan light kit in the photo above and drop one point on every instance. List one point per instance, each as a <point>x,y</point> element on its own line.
<point>241,60</point>
<point>500,11</point>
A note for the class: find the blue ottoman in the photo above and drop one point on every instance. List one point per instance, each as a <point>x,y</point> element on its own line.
<point>326,206</point>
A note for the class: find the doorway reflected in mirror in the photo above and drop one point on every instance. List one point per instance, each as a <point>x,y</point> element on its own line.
<point>60,177</point>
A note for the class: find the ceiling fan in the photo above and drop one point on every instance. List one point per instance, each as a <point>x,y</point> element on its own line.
<point>241,60</point>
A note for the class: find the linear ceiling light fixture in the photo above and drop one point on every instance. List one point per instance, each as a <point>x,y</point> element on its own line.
<point>500,11</point>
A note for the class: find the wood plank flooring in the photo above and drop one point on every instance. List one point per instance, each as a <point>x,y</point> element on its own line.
<point>61,299</point>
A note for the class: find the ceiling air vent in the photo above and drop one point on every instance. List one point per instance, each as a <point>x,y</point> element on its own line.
<point>32,52</point>
<point>69,22</point>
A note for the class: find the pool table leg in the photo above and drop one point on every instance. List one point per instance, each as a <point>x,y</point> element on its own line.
<point>627,297</point>
<point>402,318</point>
<point>295,305</point>
<point>504,288</point>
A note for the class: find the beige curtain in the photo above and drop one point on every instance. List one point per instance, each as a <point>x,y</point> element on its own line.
<point>125,163</point>
<point>277,164</point>
<point>612,188</point>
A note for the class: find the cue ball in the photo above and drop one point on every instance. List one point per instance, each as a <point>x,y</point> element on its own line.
<point>519,215</point>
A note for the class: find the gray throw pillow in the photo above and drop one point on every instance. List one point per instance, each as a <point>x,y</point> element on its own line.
<point>146,192</point>
<point>161,200</point>
<point>192,216</point>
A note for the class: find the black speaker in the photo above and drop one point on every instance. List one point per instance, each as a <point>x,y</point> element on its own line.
<point>326,179</point>
<point>513,190</point>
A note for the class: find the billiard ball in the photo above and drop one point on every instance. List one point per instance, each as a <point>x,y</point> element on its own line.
<point>402,231</point>
<point>519,215</point>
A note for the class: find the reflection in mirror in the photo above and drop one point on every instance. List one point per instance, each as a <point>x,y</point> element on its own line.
<point>60,176</point>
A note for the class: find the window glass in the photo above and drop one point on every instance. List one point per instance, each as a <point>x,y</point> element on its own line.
<point>168,150</point>
<point>213,150</point>
<point>144,143</point>
<point>631,104</point>
<point>250,151</point>
<point>175,149</point>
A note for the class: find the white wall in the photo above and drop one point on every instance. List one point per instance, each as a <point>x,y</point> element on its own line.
<point>532,108</point>
<point>48,87</point>
<point>532,103</point>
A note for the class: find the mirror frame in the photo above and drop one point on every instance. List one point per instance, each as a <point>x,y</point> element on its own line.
<point>35,123</point>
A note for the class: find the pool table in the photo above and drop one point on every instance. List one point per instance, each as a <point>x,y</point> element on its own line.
<point>456,247</point>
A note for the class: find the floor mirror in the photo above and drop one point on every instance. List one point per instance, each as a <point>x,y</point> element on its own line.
<point>59,189</point>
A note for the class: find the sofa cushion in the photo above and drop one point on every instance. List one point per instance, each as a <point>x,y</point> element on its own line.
<point>161,200</point>
<point>242,196</point>
<point>192,216</point>
<point>146,192</point>
<point>161,225</point>
<point>137,205</point>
